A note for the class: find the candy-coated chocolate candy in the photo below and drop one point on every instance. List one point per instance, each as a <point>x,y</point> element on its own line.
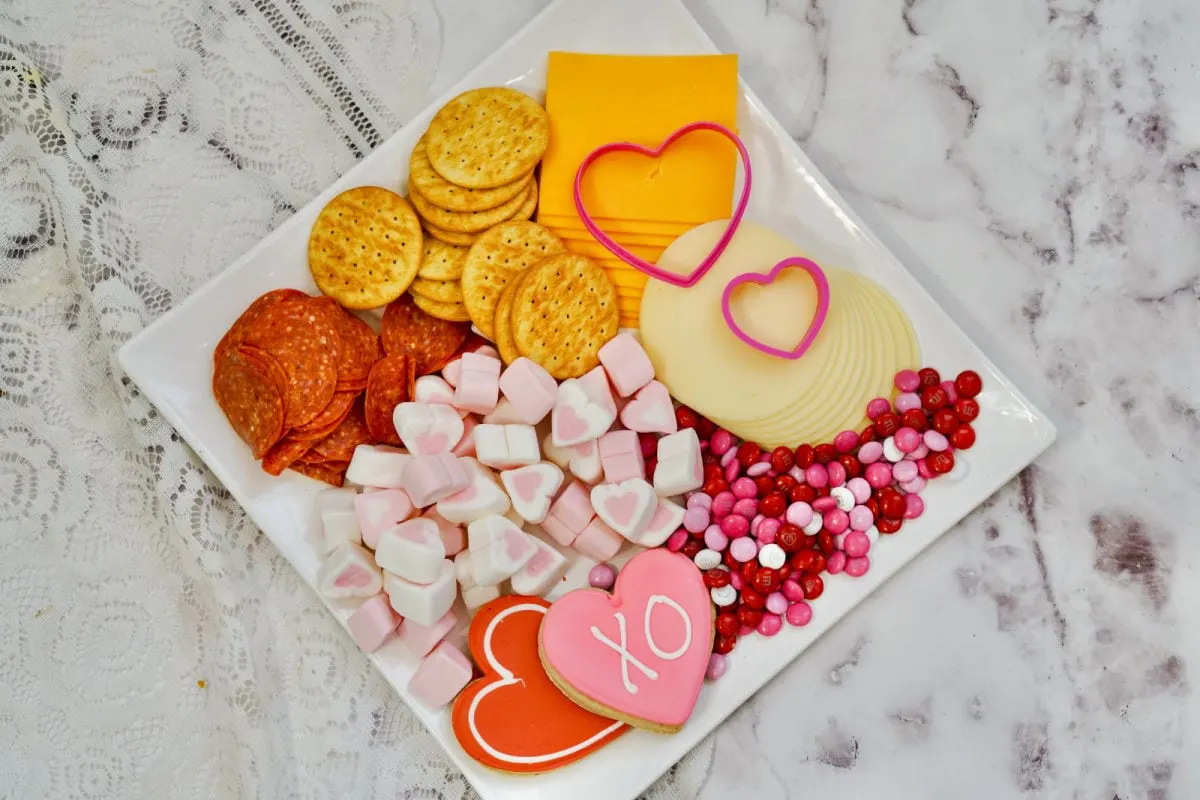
<point>846,441</point>
<point>676,540</point>
<point>771,624</point>
<point>856,544</point>
<point>772,556</point>
<point>707,559</point>
<point>722,504</point>
<point>750,617</point>
<point>752,598</point>
<point>968,383</point>
<point>782,459</point>
<point>941,463</point>
<point>715,538</point>
<point>715,578</point>
<point>867,435</point>
<point>891,502</point>
<point>963,437</point>
<point>826,543</point>
<point>837,563</point>
<point>743,549</point>
<point>843,498</point>
<point>906,440</point>
<point>792,591</point>
<point>966,409</point>
<point>861,518</point>
<point>869,453</point>
<point>888,524</point>
<point>696,519</point>
<point>727,623</point>
<point>717,667</point>
<point>915,419</point>
<point>836,473</point>
<point>879,474</point>
<point>768,530</point>
<point>891,452</point>
<point>735,526</point>
<point>907,380</point>
<point>721,441</point>
<point>907,401</point>
<point>945,421</point>
<point>748,453</point>
<point>817,476</point>
<point>735,578</point>
<point>815,525</point>
<point>857,567</point>
<point>723,596</point>
<point>823,505</point>
<point>806,560</point>
<point>914,506</point>
<point>824,453</point>
<point>789,537</point>
<point>774,504</point>
<point>951,392</point>
<point>934,398</point>
<point>691,548</point>
<point>731,471</point>
<point>859,488</point>
<point>812,585</point>
<point>723,645</point>
<point>802,493</point>
<point>929,377</point>
<point>799,614</point>
<point>766,581</point>
<point>923,469</point>
<point>837,521</point>
<point>743,488</point>
<point>887,424</point>
<point>777,602</point>
<point>804,456</point>
<point>878,407</point>
<point>935,441</point>
<point>799,514</point>
<point>602,576</point>
<point>713,472</point>
<point>748,568</point>
<point>686,418</point>
<point>746,507</point>
<point>699,500</point>
<point>850,464</point>
<point>904,471</point>
<point>917,484</point>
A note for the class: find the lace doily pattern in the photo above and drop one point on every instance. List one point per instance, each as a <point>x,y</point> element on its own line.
<point>154,643</point>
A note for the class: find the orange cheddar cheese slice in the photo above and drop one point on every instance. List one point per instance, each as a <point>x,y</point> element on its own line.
<point>669,231</point>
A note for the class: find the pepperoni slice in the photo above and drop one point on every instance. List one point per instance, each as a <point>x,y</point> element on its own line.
<point>430,341</point>
<point>237,332</point>
<point>389,385</point>
<point>333,474</point>
<point>339,445</point>
<point>361,348</point>
<point>284,453</point>
<point>328,420</point>
<point>250,398</point>
<point>300,333</point>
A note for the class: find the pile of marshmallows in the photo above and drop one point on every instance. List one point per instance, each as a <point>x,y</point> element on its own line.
<point>392,543</point>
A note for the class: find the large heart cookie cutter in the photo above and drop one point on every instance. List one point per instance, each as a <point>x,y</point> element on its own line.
<point>814,327</point>
<point>654,152</point>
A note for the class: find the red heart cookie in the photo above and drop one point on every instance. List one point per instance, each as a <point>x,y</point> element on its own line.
<point>513,718</point>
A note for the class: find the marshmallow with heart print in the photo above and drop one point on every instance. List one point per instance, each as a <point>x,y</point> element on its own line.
<point>532,488</point>
<point>433,389</point>
<point>679,467</point>
<point>339,521</point>
<point>626,507</point>
<point>577,417</point>
<point>428,479</point>
<point>423,603</point>
<point>540,572</point>
<point>595,385</point>
<point>582,460</point>
<point>413,550</point>
<point>498,549</point>
<point>481,497</point>
<point>349,571</point>
<point>668,516</point>
<point>427,428</point>
<point>506,446</point>
<point>378,511</point>
<point>377,466</point>
<point>650,410</point>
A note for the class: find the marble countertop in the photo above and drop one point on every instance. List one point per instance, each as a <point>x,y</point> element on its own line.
<point>1040,160</point>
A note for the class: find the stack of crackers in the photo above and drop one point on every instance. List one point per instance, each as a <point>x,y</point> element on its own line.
<point>473,169</point>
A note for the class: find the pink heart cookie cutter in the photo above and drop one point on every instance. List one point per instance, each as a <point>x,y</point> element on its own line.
<point>655,152</point>
<point>814,327</point>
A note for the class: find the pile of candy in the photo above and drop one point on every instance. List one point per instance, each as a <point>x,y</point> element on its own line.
<point>766,525</point>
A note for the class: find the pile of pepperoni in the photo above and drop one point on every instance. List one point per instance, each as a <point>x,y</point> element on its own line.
<point>303,382</point>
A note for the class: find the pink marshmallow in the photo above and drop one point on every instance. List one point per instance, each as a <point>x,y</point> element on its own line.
<point>372,623</point>
<point>379,511</point>
<point>478,386</point>
<point>573,507</point>
<point>454,538</point>
<point>466,445</point>
<point>559,530</point>
<point>626,363</point>
<point>429,478</point>
<point>596,386</point>
<point>598,541</point>
<point>420,639</point>
<point>621,456</point>
<point>529,389</point>
<point>442,675</point>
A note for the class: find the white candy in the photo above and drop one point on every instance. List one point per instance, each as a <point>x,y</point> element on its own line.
<point>349,571</point>
<point>772,556</point>
<point>843,496</point>
<point>890,451</point>
<point>707,559</point>
<point>627,507</point>
<point>339,520</point>
<point>814,526</point>
<point>478,596</point>
<point>482,496</point>
<point>679,468</point>
<point>576,417</point>
<point>427,428</point>
<point>532,488</point>
<point>583,460</point>
<point>378,466</point>
<point>873,534</point>
<point>424,604</point>
<point>498,549</point>
<point>724,595</point>
<point>413,550</point>
<point>541,572</point>
<point>506,446</point>
<point>433,389</point>
<point>463,571</point>
<point>504,414</point>
<point>668,516</point>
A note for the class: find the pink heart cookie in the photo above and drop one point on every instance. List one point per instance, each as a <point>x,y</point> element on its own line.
<point>639,654</point>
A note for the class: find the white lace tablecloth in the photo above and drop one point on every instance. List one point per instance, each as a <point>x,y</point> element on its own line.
<point>152,643</point>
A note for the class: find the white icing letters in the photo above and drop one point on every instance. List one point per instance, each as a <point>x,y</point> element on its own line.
<point>627,658</point>
<point>655,599</point>
<point>622,648</point>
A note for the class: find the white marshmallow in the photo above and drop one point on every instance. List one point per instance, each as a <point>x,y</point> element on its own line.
<point>339,520</point>
<point>424,604</point>
<point>532,488</point>
<point>349,571</point>
<point>377,511</point>
<point>627,507</point>
<point>463,570</point>
<point>414,550</point>
<point>482,496</point>
<point>377,465</point>
<point>679,468</point>
<point>434,390</point>
<point>541,571</point>
<point>504,414</point>
<point>583,459</point>
<point>427,428</point>
<point>498,549</point>
<point>668,516</point>
<point>578,418</point>
<point>478,596</point>
<point>506,446</point>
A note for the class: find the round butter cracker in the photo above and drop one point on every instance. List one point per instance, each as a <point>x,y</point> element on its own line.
<point>450,237</point>
<point>441,261</point>
<point>365,247</point>
<point>468,221</point>
<point>441,291</point>
<point>485,138</point>
<point>452,197</point>
<point>451,312</point>
<point>495,258</point>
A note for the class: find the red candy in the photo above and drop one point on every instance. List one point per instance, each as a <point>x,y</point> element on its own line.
<point>727,623</point>
<point>724,644</point>
<point>968,383</point>
<point>812,585</point>
<point>940,463</point>
<point>750,617</point>
<point>802,493</point>
<point>789,538</point>
<point>686,417</point>
<point>929,377</point>
<point>765,485</point>
<point>962,438</point>
<point>691,547</point>
<point>966,409</point>
<point>934,397</point>
<point>850,464</point>
<point>748,453</point>
<point>887,424</point>
<point>785,483</point>
<point>824,453</point>
<point>766,581</point>
<point>753,600</point>
<point>782,459</point>
<point>716,578</point>
<point>915,418</point>
<point>705,428</point>
<point>868,435</point>
<point>806,560</point>
<point>945,421</point>
<point>805,456</point>
<point>891,502</point>
<point>888,524</point>
<point>773,505</point>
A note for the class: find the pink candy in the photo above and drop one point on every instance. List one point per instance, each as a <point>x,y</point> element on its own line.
<point>743,550</point>
<point>856,544</point>
<point>879,475</point>
<point>602,576</point>
<point>677,540</point>
<point>731,470</point>
<point>907,440</point>
<point>836,472</point>
<point>860,489</point>
<point>734,526</point>
<point>761,468</point>
<point>777,603</point>
<point>722,505</point>
<point>904,471</point>
<point>720,442</point>
<point>914,506</point>
<point>861,518</point>
<point>846,441</point>
<point>836,521</point>
<point>914,486</point>
<point>770,624</point>
<point>736,580</point>
<point>817,476</point>
<point>936,441</point>
<point>746,507</point>
<point>715,538</point>
<point>907,401</point>
<point>717,666</point>
<point>700,500</point>
<point>951,391</point>
<point>921,451</point>
<point>870,452</point>
<point>792,590</point>
<point>907,380</point>
<point>696,519</point>
<point>743,488</point>
<point>923,469</point>
<point>857,567</point>
<point>836,563</point>
<point>798,614</point>
<point>878,407</point>
<point>767,530</point>
<point>823,504</point>
<point>799,514</point>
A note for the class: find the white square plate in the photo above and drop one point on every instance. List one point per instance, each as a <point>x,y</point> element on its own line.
<point>171,362</point>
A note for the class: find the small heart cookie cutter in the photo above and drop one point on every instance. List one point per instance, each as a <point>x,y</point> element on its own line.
<point>641,264</point>
<point>814,327</point>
